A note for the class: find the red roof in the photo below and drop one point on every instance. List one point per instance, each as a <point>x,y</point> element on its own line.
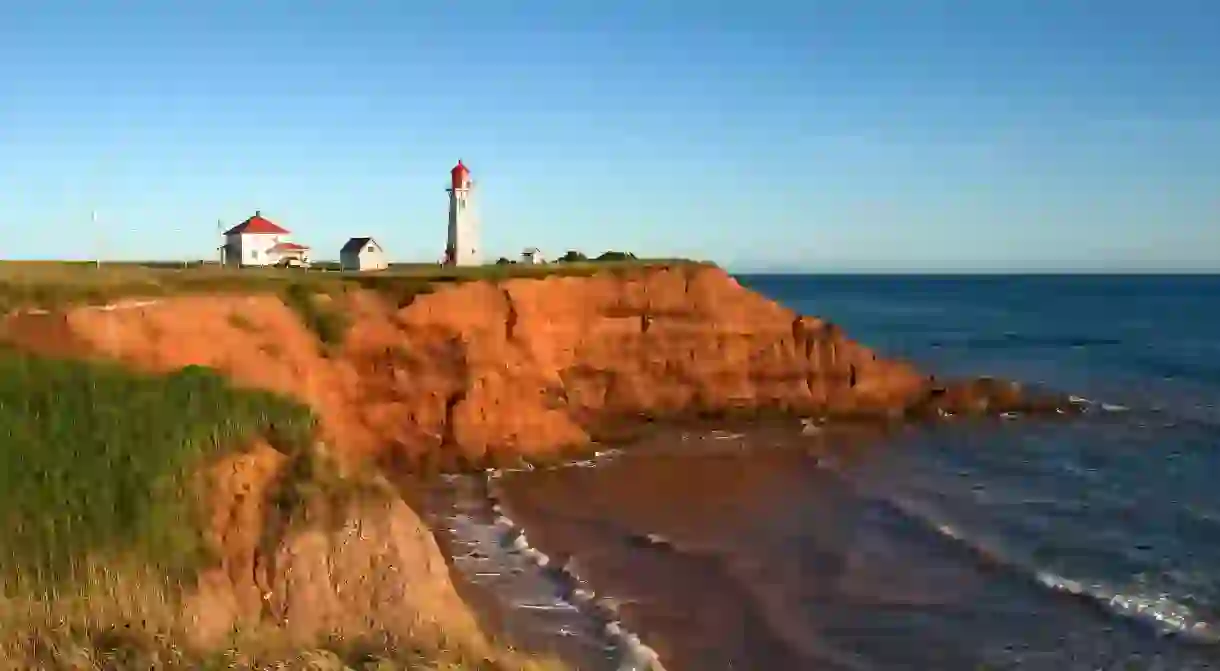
<point>459,174</point>
<point>288,247</point>
<point>256,224</point>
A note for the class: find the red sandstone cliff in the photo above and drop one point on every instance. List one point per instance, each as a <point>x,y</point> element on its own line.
<point>470,372</point>
<point>523,367</point>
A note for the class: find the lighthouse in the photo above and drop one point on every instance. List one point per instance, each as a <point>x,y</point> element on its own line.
<point>462,246</point>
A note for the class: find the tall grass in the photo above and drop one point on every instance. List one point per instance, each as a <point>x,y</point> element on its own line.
<point>95,461</point>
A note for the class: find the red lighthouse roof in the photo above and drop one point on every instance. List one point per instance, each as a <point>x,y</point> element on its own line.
<point>256,224</point>
<point>460,174</point>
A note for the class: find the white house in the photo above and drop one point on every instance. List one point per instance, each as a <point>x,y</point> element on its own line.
<point>362,254</point>
<point>532,256</point>
<point>259,242</point>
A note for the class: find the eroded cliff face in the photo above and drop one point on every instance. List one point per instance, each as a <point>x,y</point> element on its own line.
<point>525,367</point>
<point>470,373</point>
<point>371,568</point>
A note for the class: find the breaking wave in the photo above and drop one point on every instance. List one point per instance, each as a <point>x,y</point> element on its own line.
<point>1167,614</point>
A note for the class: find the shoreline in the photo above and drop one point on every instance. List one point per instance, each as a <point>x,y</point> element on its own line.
<point>487,578</point>
<point>834,443</point>
<point>510,589</point>
<point>630,651</point>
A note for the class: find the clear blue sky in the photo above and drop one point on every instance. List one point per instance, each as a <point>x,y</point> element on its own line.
<point>853,134</point>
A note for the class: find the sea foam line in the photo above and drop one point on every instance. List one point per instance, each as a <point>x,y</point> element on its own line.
<point>634,654</point>
<point>1159,611</point>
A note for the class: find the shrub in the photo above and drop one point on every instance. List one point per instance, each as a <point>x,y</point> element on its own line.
<point>616,256</point>
<point>572,256</point>
<point>327,324</point>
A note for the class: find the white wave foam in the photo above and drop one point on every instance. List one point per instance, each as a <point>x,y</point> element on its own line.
<point>633,654</point>
<point>1161,611</point>
<point>553,606</point>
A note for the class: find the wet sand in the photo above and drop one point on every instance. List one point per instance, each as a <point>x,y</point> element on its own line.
<point>653,526</point>
<point>757,546</point>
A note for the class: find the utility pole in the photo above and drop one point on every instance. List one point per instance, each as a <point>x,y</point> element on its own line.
<point>97,231</point>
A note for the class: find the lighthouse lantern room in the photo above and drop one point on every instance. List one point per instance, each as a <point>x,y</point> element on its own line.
<point>462,246</point>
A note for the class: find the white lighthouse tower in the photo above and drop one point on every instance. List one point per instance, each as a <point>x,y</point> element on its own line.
<point>462,246</point>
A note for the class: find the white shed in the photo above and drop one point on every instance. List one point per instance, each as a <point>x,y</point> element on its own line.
<point>532,256</point>
<point>362,254</point>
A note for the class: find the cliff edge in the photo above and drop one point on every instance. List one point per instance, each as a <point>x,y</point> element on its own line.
<point>481,372</point>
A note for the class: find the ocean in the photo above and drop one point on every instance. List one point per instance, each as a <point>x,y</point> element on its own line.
<point>1028,544</point>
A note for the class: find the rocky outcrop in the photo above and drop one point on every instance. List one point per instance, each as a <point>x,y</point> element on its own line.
<point>525,367</point>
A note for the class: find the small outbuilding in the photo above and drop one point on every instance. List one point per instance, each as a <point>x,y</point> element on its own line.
<point>362,254</point>
<point>532,256</point>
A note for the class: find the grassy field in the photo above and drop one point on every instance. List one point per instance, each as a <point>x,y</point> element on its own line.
<point>47,284</point>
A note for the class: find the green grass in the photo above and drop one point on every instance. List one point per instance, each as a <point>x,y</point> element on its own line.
<point>326,322</point>
<point>50,284</point>
<point>96,461</point>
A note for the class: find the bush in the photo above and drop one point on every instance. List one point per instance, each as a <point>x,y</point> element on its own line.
<point>95,460</point>
<point>572,256</point>
<point>616,256</point>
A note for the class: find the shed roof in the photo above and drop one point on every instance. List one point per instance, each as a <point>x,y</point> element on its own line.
<point>356,244</point>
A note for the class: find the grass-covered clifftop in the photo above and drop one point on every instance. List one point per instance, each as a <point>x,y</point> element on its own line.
<point>49,284</point>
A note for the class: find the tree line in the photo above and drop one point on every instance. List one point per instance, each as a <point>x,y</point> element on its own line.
<point>576,256</point>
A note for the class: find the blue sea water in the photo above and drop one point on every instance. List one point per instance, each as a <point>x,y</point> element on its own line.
<point>1030,544</point>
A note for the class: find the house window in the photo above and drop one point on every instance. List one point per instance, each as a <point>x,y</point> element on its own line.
<point>254,253</point>
<point>370,249</point>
